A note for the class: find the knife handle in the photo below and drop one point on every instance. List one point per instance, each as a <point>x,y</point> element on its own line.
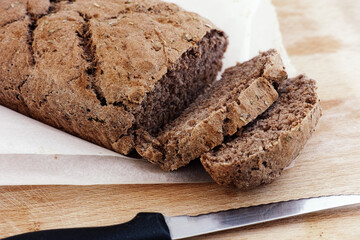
<point>144,226</point>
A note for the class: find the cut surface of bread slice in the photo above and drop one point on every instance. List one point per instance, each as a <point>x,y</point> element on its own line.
<point>245,91</point>
<point>259,153</point>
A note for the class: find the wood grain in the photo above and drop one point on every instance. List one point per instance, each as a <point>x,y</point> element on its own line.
<point>313,35</point>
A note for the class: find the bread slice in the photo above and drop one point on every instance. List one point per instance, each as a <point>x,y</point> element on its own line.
<point>244,92</point>
<point>260,152</point>
<point>101,70</point>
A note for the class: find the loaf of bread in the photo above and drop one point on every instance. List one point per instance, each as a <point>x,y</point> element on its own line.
<point>140,74</point>
<point>103,69</point>
<point>259,153</point>
<point>244,91</point>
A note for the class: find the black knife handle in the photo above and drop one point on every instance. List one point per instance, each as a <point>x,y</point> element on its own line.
<point>144,226</point>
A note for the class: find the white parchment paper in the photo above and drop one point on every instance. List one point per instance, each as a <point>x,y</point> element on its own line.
<point>33,153</point>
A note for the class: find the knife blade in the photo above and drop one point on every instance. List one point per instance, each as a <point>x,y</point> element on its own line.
<point>146,226</point>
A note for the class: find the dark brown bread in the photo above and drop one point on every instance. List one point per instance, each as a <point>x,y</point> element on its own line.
<point>103,69</point>
<point>245,91</point>
<point>15,53</point>
<point>260,152</point>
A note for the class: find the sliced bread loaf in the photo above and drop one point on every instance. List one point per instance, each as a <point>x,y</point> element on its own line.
<point>100,70</point>
<point>259,153</point>
<point>245,91</point>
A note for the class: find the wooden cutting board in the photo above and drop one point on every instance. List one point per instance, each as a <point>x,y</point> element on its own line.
<point>323,40</point>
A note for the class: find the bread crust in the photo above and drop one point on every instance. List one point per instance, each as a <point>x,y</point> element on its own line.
<point>86,67</point>
<point>265,165</point>
<point>180,143</point>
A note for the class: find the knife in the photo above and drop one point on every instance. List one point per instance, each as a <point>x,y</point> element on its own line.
<point>146,226</point>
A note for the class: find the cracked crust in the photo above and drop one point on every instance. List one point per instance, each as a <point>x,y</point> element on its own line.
<point>260,152</point>
<point>16,60</point>
<point>245,91</point>
<point>15,48</point>
<point>91,67</point>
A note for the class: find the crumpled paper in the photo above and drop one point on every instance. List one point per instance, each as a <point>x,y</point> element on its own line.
<point>33,153</point>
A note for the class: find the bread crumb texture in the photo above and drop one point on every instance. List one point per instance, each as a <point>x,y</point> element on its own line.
<point>91,67</point>
<point>259,153</point>
<point>244,91</point>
